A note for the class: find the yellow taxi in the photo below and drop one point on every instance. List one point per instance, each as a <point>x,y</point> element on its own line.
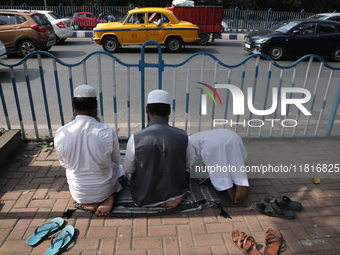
<point>143,24</point>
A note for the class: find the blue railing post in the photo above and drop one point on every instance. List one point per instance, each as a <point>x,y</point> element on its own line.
<point>270,18</point>
<point>61,9</point>
<point>334,110</point>
<point>302,14</point>
<point>96,10</point>
<point>142,66</point>
<point>236,19</point>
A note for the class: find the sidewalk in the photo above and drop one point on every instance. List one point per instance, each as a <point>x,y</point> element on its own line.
<point>34,189</point>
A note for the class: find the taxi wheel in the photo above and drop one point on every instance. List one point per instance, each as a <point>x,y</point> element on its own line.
<point>110,44</point>
<point>276,52</point>
<point>25,47</point>
<point>336,55</point>
<point>204,38</point>
<point>173,44</point>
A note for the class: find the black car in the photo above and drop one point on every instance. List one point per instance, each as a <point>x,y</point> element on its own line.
<point>297,38</point>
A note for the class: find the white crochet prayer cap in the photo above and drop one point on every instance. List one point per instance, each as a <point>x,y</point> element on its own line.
<point>85,91</point>
<point>158,97</point>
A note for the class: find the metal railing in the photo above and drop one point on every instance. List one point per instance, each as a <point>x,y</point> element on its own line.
<point>36,94</point>
<point>234,20</point>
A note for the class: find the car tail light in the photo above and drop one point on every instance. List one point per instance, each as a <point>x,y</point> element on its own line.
<point>38,28</point>
<point>61,25</point>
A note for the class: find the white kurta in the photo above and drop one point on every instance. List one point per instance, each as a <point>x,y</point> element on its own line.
<point>222,149</point>
<point>89,150</point>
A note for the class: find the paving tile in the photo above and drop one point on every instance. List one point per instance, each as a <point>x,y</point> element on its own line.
<point>293,242</point>
<point>15,246</point>
<point>82,225</point>
<point>176,219</point>
<point>196,251</point>
<point>140,227</point>
<point>124,238</point>
<point>171,246</point>
<point>147,243</point>
<point>19,229</point>
<point>185,236</point>
<point>131,252</point>
<point>197,225</point>
<point>101,232</point>
<point>218,227</point>
<point>164,230</point>
<point>4,232</point>
<point>208,240</point>
<point>107,246</point>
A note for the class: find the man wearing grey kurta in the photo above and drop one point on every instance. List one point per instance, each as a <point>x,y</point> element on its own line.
<point>159,157</point>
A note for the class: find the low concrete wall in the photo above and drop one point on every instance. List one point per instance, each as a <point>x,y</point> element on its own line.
<point>10,144</point>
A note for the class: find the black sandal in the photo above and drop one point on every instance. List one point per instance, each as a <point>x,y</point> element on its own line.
<point>285,202</point>
<point>272,209</point>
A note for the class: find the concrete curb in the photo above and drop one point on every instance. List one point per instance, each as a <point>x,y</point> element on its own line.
<point>89,34</point>
<point>10,144</point>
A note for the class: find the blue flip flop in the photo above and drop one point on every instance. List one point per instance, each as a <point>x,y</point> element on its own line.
<point>44,230</point>
<point>60,239</point>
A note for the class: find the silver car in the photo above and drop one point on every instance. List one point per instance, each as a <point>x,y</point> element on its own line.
<point>62,26</point>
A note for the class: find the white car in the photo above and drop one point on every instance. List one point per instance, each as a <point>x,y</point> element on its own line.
<point>62,26</point>
<point>335,16</point>
<point>2,51</point>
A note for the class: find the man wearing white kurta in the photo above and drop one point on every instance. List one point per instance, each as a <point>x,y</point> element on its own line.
<point>89,150</point>
<point>224,149</point>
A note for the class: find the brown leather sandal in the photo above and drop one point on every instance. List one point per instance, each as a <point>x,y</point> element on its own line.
<point>249,245</point>
<point>273,242</point>
<point>238,238</point>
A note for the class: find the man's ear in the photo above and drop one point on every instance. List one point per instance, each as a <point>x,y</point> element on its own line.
<point>169,112</point>
<point>147,110</point>
<point>73,105</point>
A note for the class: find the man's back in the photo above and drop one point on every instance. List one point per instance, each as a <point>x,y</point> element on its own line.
<point>160,160</point>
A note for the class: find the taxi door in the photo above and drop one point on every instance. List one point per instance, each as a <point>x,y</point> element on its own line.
<point>158,27</point>
<point>134,31</point>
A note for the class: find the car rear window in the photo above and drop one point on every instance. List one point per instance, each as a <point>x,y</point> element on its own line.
<point>40,19</point>
<point>56,16</point>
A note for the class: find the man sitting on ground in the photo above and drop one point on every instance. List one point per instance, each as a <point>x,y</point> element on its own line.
<point>224,148</point>
<point>158,157</point>
<point>89,150</point>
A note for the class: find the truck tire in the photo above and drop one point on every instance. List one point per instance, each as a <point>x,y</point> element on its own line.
<point>110,44</point>
<point>173,44</point>
<point>203,38</point>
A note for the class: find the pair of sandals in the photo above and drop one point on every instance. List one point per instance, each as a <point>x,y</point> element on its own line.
<point>58,241</point>
<point>279,206</point>
<point>248,245</point>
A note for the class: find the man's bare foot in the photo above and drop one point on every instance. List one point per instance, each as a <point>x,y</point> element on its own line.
<point>241,194</point>
<point>232,193</point>
<point>173,203</point>
<point>91,207</point>
<point>105,207</point>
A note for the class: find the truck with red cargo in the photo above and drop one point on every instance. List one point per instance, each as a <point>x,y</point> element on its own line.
<point>207,18</point>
